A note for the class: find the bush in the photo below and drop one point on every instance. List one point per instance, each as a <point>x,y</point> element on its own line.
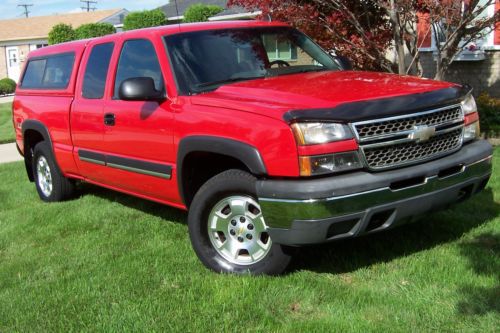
<point>61,33</point>
<point>489,114</point>
<point>7,86</point>
<point>92,30</point>
<point>200,12</point>
<point>144,19</point>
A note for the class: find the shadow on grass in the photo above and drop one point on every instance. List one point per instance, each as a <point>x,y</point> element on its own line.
<point>352,254</point>
<point>433,229</point>
<point>483,253</point>
<point>165,212</point>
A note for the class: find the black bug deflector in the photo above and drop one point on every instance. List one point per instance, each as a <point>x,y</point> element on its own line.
<point>382,107</point>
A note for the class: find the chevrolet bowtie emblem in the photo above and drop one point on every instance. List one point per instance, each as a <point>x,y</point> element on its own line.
<point>422,133</point>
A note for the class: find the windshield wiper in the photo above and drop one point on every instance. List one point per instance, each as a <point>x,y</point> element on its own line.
<point>215,84</point>
<point>307,70</point>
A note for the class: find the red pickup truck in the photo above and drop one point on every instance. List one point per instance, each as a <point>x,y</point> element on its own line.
<point>262,136</point>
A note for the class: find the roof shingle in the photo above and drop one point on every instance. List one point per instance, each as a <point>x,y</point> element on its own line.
<point>38,27</point>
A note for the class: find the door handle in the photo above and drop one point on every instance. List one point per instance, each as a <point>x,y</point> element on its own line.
<point>109,119</point>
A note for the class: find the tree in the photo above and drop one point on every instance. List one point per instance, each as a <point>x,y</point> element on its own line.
<point>455,25</point>
<point>364,30</point>
<point>358,30</point>
<point>144,19</point>
<point>91,30</point>
<point>200,12</point>
<point>61,33</point>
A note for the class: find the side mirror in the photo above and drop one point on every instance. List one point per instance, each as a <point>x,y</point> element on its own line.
<point>139,89</point>
<point>344,62</point>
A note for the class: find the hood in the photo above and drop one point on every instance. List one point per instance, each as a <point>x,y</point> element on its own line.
<point>339,95</point>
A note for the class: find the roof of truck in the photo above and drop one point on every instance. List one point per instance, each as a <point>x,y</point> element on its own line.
<point>161,30</point>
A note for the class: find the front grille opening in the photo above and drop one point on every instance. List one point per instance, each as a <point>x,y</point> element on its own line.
<point>342,227</point>
<point>465,193</point>
<point>450,171</point>
<point>402,184</point>
<point>386,143</point>
<point>438,118</point>
<point>378,219</point>
<point>409,152</point>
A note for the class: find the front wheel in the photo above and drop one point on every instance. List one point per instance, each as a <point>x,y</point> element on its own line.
<point>228,230</point>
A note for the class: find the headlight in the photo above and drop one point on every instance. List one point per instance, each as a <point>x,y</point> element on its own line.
<point>469,105</point>
<point>322,164</point>
<point>318,133</point>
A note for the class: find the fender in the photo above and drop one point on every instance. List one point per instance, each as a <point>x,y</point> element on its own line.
<point>40,128</point>
<point>247,154</point>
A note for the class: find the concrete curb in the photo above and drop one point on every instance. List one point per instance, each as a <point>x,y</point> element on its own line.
<point>6,99</point>
<point>9,153</point>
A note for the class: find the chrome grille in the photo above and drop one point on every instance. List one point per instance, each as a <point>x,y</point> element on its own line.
<point>398,154</point>
<point>397,141</point>
<point>367,130</point>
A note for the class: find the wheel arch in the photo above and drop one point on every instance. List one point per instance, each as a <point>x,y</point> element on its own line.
<point>33,132</point>
<point>216,154</point>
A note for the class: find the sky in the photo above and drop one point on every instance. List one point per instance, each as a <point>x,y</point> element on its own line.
<point>10,10</point>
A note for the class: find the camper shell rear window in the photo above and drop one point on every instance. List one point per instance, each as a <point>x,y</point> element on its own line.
<point>49,72</point>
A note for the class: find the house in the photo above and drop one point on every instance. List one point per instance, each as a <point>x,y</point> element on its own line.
<point>477,65</point>
<point>19,36</point>
<point>175,12</point>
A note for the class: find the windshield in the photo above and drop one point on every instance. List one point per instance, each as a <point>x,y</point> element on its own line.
<point>204,60</point>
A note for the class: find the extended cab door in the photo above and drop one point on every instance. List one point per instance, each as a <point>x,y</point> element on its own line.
<point>87,109</point>
<point>138,135</point>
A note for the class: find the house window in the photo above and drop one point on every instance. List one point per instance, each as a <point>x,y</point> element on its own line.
<point>279,48</point>
<point>37,46</point>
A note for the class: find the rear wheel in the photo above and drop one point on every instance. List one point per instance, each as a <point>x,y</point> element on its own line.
<point>51,184</point>
<point>228,230</point>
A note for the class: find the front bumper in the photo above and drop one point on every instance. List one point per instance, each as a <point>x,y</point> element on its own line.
<point>300,212</point>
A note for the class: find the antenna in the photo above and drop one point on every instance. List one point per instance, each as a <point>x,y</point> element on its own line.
<point>88,4</point>
<point>177,11</point>
<point>26,6</point>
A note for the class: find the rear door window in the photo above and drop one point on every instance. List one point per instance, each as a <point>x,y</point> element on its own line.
<point>94,81</point>
<point>51,72</point>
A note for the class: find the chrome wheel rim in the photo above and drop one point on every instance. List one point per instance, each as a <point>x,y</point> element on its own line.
<point>44,176</point>
<point>237,230</point>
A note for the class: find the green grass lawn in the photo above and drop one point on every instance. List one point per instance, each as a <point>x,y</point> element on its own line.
<point>6,129</point>
<point>111,263</point>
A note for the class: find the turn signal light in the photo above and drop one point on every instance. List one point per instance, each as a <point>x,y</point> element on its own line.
<point>324,164</point>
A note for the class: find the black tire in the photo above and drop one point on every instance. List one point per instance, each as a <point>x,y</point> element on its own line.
<point>229,184</point>
<point>61,187</point>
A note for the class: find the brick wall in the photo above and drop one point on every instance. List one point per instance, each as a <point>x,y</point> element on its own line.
<point>302,59</point>
<point>3,63</point>
<point>483,76</point>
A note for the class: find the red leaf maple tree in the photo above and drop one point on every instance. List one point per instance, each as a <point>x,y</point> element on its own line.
<point>357,30</point>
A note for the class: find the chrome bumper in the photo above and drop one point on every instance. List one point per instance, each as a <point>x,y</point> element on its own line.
<point>314,211</point>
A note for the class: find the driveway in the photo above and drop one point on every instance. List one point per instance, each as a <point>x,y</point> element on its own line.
<point>9,153</point>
